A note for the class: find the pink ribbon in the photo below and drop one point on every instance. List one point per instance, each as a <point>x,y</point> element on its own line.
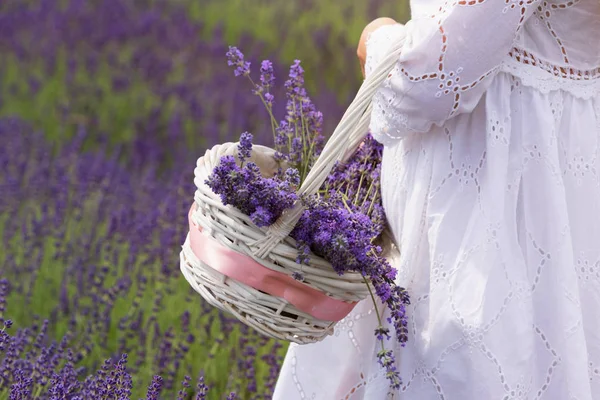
<point>244,269</point>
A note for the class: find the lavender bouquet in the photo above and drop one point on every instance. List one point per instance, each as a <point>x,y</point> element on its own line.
<point>342,222</point>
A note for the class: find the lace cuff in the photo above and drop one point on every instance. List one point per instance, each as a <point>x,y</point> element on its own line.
<point>386,128</point>
<point>378,43</point>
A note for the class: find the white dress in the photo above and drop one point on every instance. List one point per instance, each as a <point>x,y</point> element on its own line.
<point>491,184</point>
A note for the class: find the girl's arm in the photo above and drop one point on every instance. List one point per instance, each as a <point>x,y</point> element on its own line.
<point>448,59</point>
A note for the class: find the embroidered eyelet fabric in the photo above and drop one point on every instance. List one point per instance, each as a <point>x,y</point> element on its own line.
<point>491,185</point>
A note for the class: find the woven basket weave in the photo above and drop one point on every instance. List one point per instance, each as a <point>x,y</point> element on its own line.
<point>273,248</point>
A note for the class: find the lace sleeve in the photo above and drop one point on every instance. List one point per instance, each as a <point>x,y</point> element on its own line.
<point>445,67</point>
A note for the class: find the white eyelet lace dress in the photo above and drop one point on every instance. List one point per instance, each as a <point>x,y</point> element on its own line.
<point>491,185</point>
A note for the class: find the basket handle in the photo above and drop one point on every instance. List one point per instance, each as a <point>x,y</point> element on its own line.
<point>342,144</point>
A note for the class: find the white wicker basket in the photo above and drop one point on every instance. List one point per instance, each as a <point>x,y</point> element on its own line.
<point>228,228</point>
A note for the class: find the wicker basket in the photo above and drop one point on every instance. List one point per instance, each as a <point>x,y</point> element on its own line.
<point>225,229</point>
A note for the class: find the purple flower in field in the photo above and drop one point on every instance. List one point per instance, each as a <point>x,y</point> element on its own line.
<point>201,389</point>
<point>235,58</point>
<point>269,99</point>
<point>154,388</point>
<point>267,76</point>
<point>96,298</point>
<point>3,293</point>
<point>185,385</point>
<point>295,84</point>
<point>267,80</point>
<point>273,360</point>
<point>21,388</point>
<point>65,383</point>
<point>118,382</point>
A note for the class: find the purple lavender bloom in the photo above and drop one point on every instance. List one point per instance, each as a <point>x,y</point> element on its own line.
<point>295,84</point>
<point>297,150</point>
<point>381,332</point>
<point>292,176</point>
<point>245,146</point>
<point>261,217</point>
<point>236,59</point>
<point>3,293</point>
<point>269,99</point>
<point>154,388</point>
<point>298,276</point>
<point>267,77</point>
<point>21,388</point>
<point>267,80</point>
<point>386,360</point>
<point>201,389</point>
<point>185,385</point>
<point>244,187</point>
<point>98,300</point>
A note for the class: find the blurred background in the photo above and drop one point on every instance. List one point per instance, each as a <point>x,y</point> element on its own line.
<point>105,105</point>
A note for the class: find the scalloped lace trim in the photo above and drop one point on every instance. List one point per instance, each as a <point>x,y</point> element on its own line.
<point>386,129</point>
<point>547,77</point>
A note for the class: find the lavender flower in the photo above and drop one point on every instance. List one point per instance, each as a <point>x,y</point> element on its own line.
<point>267,80</point>
<point>154,388</point>
<point>295,84</point>
<point>245,146</point>
<point>201,389</point>
<point>298,276</point>
<point>298,137</point>
<point>263,199</point>
<point>267,77</point>
<point>262,217</point>
<point>184,386</point>
<point>236,59</point>
<point>3,294</point>
<point>292,177</point>
<point>269,99</point>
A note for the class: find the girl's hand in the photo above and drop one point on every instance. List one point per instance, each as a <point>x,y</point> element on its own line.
<point>361,52</point>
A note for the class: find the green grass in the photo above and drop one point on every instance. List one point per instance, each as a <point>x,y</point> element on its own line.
<point>110,108</point>
<point>272,20</point>
<point>286,28</point>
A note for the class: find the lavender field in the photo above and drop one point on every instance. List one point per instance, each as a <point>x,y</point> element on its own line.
<point>104,107</point>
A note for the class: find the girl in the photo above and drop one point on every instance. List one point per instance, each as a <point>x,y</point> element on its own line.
<point>491,185</point>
